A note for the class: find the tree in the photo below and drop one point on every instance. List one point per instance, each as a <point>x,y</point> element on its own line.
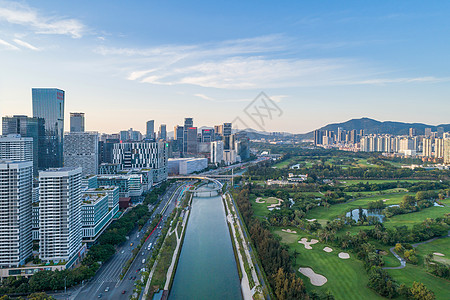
<point>399,248</point>
<point>420,292</point>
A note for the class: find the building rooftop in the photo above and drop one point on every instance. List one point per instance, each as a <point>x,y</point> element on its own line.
<point>92,198</point>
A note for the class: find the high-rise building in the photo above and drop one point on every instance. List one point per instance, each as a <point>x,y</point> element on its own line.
<point>439,148</point>
<point>60,215</point>
<point>412,132</point>
<point>77,122</point>
<point>428,132</point>
<point>192,142</point>
<point>340,133</point>
<point>130,135</point>
<point>15,212</point>
<point>48,104</point>
<point>318,134</point>
<point>440,132</point>
<point>81,150</point>
<point>207,135</point>
<point>427,147</point>
<point>150,134</point>
<point>188,123</point>
<point>216,152</point>
<point>227,129</point>
<point>26,127</point>
<point>447,151</point>
<point>15,147</point>
<point>353,136</point>
<point>105,150</point>
<point>138,155</point>
<point>162,133</point>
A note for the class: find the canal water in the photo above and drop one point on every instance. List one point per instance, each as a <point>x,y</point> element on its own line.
<point>207,267</point>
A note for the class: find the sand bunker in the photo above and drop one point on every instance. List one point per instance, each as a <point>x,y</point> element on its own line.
<point>344,255</point>
<point>275,205</point>
<point>307,244</point>
<point>258,200</point>
<point>310,220</point>
<point>316,279</point>
<point>289,231</point>
<point>327,249</point>
<point>438,254</point>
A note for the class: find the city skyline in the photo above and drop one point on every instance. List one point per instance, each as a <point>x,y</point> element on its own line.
<point>308,57</point>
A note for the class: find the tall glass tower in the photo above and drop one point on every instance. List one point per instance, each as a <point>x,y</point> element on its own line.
<point>48,104</point>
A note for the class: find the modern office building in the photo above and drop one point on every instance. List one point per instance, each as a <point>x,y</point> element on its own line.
<point>15,212</point>
<point>227,129</point>
<point>48,104</point>
<point>216,152</point>
<point>428,132</point>
<point>162,133</point>
<point>60,215</point>
<point>120,181</point>
<point>105,150</point>
<point>95,215</point>
<point>26,127</point>
<point>143,155</point>
<point>192,141</point>
<point>113,195</point>
<point>77,122</point>
<point>17,148</point>
<point>185,166</point>
<point>81,150</point>
<point>318,137</point>
<point>130,135</point>
<point>207,135</point>
<point>439,148</point>
<point>150,130</point>
<point>188,123</point>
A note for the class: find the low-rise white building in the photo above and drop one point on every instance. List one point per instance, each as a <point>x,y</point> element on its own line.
<point>185,166</point>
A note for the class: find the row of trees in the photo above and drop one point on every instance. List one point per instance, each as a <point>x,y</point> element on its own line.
<point>275,258</point>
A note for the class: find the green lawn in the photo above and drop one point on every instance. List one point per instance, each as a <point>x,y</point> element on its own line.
<point>347,279</point>
<point>418,217</point>
<point>324,214</point>
<point>353,182</point>
<point>410,273</point>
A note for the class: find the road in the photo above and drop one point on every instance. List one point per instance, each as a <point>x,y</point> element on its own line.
<point>108,276</point>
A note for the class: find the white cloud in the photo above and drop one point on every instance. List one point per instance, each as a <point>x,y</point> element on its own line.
<point>26,45</point>
<point>205,97</point>
<point>8,45</point>
<point>256,63</point>
<point>20,14</point>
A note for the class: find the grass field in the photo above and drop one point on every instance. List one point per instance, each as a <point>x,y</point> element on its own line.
<point>347,279</point>
<point>352,182</point>
<point>259,209</point>
<point>410,273</point>
<point>418,217</point>
<point>324,214</point>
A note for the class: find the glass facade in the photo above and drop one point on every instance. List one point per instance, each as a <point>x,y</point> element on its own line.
<point>26,127</point>
<point>48,104</point>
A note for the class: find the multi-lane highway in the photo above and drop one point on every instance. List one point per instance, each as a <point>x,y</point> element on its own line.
<point>107,284</point>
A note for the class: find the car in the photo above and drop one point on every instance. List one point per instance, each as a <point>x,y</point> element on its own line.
<point>134,277</point>
<point>143,253</point>
<point>123,292</point>
<point>107,289</point>
<point>123,251</point>
<point>100,295</point>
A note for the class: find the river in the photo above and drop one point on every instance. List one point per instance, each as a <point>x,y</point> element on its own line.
<point>207,267</point>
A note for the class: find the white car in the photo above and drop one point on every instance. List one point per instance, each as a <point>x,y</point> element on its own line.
<point>107,289</point>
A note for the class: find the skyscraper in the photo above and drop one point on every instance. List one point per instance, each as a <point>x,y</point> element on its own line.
<point>188,123</point>
<point>412,132</point>
<point>150,130</point>
<point>26,127</point>
<point>77,122</point>
<point>60,215</point>
<point>48,104</point>
<point>426,152</point>
<point>81,150</point>
<point>447,151</point>
<point>162,133</point>
<point>15,211</point>
<point>192,142</point>
<point>227,129</point>
<point>318,134</point>
<point>427,132</point>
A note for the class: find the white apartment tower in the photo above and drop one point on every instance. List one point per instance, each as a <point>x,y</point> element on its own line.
<point>60,215</point>
<point>15,212</point>
<point>17,148</point>
<point>81,150</point>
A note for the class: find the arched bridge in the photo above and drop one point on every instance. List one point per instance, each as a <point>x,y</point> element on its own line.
<point>202,193</point>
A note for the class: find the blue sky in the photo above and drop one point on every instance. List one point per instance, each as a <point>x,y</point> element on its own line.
<point>125,62</point>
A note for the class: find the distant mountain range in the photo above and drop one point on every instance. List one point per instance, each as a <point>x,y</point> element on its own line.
<point>370,126</point>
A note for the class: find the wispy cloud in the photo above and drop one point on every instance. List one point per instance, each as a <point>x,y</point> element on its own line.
<point>208,98</point>
<point>7,45</point>
<point>26,45</point>
<point>24,15</point>
<point>256,63</point>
